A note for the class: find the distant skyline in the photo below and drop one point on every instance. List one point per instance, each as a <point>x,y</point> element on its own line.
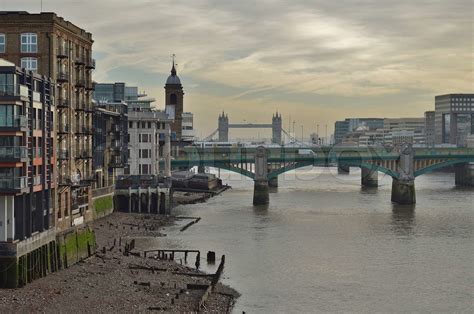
<point>318,61</point>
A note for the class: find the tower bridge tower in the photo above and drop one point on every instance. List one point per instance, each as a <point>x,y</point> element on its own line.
<point>276,129</point>
<point>223,127</point>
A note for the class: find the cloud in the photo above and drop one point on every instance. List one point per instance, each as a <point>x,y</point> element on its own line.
<point>317,60</point>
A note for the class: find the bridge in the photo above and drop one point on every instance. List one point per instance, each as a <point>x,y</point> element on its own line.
<point>265,164</point>
<point>223,128</point>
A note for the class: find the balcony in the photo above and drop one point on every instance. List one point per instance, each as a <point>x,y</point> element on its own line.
<point>79,106</point>
<point>89,85</point>
<point>63,103</point>
<point>13,153</point>
<point>90,64</point>
<point>79,60</point>
<point>63,154</point>
<point>14,90</point>
<point>89,108</point>
<point>75,182</point>
<point>80,83</point>
<point>63,129</point>
<point>13,184</point>
<point>84,131</point>
<point>62,77</point>
<point>116,163</point>
<point>62,53</point>
<point>84,154</point>
<point>10,123</point>
<point>36,180</point>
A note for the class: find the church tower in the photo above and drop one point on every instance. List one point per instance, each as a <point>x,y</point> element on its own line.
<point>174,101</point>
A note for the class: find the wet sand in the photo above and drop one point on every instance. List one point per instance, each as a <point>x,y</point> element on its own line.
<point>114,282</point>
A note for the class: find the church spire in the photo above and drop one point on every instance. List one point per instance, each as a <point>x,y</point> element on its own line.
<point>173,69</point>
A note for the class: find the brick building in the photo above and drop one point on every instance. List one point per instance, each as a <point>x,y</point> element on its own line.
<point>49,45</point>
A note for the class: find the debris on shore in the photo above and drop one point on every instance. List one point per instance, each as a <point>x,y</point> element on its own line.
<point>119,278</point>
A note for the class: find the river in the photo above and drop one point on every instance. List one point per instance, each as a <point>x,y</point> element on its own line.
<point>325,244</point>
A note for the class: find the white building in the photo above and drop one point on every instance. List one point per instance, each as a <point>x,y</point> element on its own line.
<point>146,130</point>
<point>187,133</point>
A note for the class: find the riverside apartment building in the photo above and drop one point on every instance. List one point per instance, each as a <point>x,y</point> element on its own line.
<point>48,45</point>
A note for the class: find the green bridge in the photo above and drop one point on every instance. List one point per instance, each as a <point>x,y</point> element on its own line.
<point>265,164</point>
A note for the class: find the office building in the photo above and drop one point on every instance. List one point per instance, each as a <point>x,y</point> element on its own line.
<point>454,118</point>
<point>342,128</point>
<point>430,129</point>
<point>393,126</point>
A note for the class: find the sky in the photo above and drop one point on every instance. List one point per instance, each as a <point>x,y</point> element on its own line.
<point>312,60</point>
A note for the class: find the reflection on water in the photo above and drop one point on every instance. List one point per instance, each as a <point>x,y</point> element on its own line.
<point>326,244</point>
<point>403,219</point>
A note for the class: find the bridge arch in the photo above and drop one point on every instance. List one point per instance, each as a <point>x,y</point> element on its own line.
<point>302,164</point>
<point>441,165</point>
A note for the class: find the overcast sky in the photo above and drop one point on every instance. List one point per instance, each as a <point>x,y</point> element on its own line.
<point>318,61</point>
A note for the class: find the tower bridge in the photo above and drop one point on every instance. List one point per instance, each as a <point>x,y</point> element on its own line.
<point>223,128</point>
<point>265,164</point>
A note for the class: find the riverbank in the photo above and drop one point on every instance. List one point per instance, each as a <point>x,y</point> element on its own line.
<point>111,281</point>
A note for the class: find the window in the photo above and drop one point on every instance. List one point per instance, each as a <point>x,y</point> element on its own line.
<point>145,153</point>
<point>173,99</point>
<point>2,43</point>
<point>130,125</point>
<point>29,42</point>
<point>145,169</point>
<point>31,64</point>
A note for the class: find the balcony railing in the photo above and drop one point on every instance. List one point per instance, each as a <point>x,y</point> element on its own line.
<point>63,128</point>
<point>36,180</point>
<point>63,154</point>
<point>14,90</point>
<point>84,154</point>
<point>62,52</point>
<point>11,122</point>
<point>13,183</point>
<point>80,82</point>
<point>63,76</point>
<point>79,60</point>
<point>90,64</point>
<point>85,130</point>
<point>63,103</point>
<point>13,152</point>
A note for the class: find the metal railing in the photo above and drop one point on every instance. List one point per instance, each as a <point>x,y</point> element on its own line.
<point>62,76</point>
<point>63,154</point>
<point>13,183</point>
<point>13,152</point>
<point>62,52</point>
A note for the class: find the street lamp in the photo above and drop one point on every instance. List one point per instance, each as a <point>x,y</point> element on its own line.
<point>301,133</point>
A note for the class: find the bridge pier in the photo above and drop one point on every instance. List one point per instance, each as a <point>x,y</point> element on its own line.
<point>464,174</point>
<point>343,169</point>
<point>369,178</point>
<point>403,187</point>
<point>261,194</point>
<point>403,191</point>
<point>273,182</point>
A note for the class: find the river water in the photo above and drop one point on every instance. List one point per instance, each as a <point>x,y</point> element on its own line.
<point>324,244</point>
